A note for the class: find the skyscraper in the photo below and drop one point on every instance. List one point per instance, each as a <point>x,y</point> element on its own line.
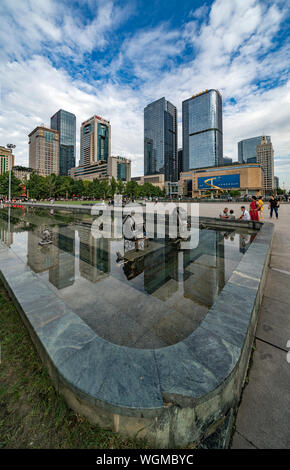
<point>95,141</point>
<point>265,156</point>
<point>160,139</point>
<point>202,130</point>
<point>44,150</point>
<point>6,159</point>
<point>247,149</point>
<point>65,123</point>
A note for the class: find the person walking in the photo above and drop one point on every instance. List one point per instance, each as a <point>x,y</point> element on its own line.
<point>254,214</point>
<point>261,206</point>
<point>273,206</point>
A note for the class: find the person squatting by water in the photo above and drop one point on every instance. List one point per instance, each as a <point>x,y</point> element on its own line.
<point>245,214</point>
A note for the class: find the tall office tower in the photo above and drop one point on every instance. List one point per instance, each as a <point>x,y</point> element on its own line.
<point>6,160</point>
<point>202,130</point>
<point>265,156</point>
<point>160,139</point>
<point>44,150</point>
<point>247,149</point>
<point>179,163</point>
<point>276,182</point>
<point>95,141</point>
<point>65,123</point>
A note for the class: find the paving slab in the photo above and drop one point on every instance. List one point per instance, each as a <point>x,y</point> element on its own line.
<point>277,286</point>
<point>274,322</point>
<point>280,261</point>
<point>239,442</point>
<point>264,413</point>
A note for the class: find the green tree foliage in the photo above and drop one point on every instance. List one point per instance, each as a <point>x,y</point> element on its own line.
<point>57,186</point>
<point>235,193</point>
<point>16,185</point>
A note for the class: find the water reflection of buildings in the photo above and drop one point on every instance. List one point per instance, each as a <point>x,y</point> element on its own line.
<point>5,236</point>
<point>160,267</point>
<point>57,258</point>
<point>40,259</point>
<point>201,270</point>
<point>94,255</point>
<point>62,273</point>
<point>204,268</point>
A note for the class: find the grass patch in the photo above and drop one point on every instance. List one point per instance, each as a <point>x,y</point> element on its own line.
<point>32,413</point>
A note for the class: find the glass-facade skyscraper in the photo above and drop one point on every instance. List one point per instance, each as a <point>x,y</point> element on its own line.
<point>247,149</point>
<point>65,123</point>
<point>160,139</point>
<point>95,140</point>
<point>202,130</point>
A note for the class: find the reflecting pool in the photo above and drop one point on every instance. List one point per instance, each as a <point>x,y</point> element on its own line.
<point>147,298</point>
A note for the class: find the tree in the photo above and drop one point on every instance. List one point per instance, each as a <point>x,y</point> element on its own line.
<point>50,185</point>
<point>36,186</point>
<point>16,185</point>
<point>132,188</point>
<point>120,187</point>
<point>235,193</point>
<point>113,185</point>
<point>104,188</point>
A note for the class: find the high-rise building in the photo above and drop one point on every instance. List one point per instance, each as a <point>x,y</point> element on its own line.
<point>160,139</point>
<point>95,141</point>
<point>276,182</point>
<point>265,157</point>
<point>202,130</point>
<point>119,168</point>
<point>6,160</point>
<point>179,163</point>
<point>65,123</point>
<point>227,161</point>
<point>44,150</point>
<point>247,149</point>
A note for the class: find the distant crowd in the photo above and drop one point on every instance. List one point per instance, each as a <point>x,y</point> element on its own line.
<point>255,211</point>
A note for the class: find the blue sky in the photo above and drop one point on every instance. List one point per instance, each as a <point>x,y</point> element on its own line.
<point>112,58</point>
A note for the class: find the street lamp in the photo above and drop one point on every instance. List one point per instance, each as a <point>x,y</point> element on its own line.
<point>10,147</point>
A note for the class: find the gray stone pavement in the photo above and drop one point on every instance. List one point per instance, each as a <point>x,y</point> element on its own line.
<point>264,413</point>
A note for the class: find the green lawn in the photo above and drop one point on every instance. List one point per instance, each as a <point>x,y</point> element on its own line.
<point>32,413</point>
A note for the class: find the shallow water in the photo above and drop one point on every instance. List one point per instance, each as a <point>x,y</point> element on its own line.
<point>150,298</point>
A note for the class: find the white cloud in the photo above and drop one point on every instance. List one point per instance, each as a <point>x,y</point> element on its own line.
<point>234,50</point>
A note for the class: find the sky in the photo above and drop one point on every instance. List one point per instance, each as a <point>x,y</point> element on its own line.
<point>112,58</point>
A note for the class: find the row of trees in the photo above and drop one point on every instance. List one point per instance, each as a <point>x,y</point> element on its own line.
<point>56,186</point>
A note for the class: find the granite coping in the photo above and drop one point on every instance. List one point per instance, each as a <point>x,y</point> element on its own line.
<point>131,380</point>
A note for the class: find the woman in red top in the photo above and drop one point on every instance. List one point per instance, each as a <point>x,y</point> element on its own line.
<point>254,206</point>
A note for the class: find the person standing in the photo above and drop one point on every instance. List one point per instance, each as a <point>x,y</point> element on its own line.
<point>273,206</point>
<point>261,206</point>
<point>254,214</point>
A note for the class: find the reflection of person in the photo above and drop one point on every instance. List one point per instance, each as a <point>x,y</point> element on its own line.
<point>254,206</point>
<point>244,239</point>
